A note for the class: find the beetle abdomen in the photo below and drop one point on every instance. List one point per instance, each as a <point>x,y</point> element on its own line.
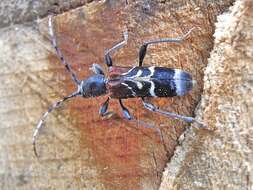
<point>150,82</point>
<point>171,82</point>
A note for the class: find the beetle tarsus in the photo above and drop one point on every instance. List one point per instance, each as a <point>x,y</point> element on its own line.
<point>104,107</point>
<point>126,113</point>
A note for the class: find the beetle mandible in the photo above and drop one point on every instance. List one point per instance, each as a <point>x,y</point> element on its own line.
<point>126,82</point>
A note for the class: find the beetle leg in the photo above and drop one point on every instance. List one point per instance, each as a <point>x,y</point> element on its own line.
<point>58,51</point>
<point>104,107</point>
<point>153,108</point>
<point>97,69</point>
<point>143,48</point>
<point>108,59</point>
<point>129,117</point>
<point>126,113</point>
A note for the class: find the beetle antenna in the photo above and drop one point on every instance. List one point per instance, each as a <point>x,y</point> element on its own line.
<point>58,51</point>
<point>43,118</point>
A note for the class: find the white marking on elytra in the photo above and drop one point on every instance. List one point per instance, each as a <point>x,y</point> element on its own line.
<point>138,74</point>
<point>139,85</point>
<point>178,82</point>
<point>152,89</point>
<point>124,84</point>
<point>128,71</point>
<point>137,79</point>
<point>130,88</point>
<point>152,71</point>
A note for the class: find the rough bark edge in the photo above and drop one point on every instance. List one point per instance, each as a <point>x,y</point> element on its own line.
<point>191,136</point>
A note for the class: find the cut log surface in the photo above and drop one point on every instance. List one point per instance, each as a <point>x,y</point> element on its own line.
<point>222,159</point>
<point>77,148</point>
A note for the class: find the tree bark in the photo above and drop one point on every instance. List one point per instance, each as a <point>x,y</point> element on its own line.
<point>77,148</point>
<point>221,159</point>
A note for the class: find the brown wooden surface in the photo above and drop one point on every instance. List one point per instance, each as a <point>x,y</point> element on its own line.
<point>78,149</point>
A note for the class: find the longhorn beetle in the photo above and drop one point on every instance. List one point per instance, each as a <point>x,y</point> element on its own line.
<point>126,82</point>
